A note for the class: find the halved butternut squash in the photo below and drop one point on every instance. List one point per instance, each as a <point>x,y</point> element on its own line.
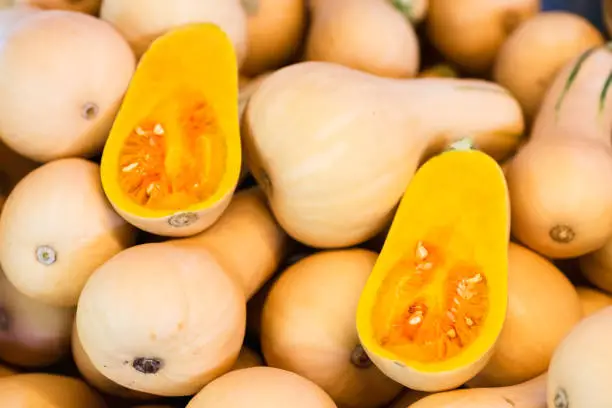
<point>435,303</point>
<point>172,159</point>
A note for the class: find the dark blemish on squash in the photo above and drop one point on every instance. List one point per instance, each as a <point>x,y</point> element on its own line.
<point>509,401</point>
<point>147,365</point>
<point>181,220</point>
<point>397,363</point>
<point>360,358</point>
<point>5,322</point>
<point>561,400</point>
<point>90,110</point>
<point>266,183</point>
<point>562,234</point>
<point>46,255</point>
<point>604,92</point>
<point>125,362</point>
<point>572,77</point>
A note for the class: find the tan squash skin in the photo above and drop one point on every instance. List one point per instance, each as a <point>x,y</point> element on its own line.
<point>536,321</point>
<point>56,228</point>
<point>142,21</point>
<point>553,210</point>
<point>10,16</point>
<point>470,33</point>
<point>261,387</point>
<point>275,29</point>
<point>368,35</point>
<point>69,110</point>
<point>39,390</point>
<point>579,373</point>
<point>83,6</point>
<point>95,378</point>
<point>311,308</point>
<point>170,311</point>
<point>407,398</point>
<point>32,334</point>
<point>5,4</point>
<point>592,300</point>
<point>597,267</point>
<point>534,53</point>
<point>335,178</point>
<point>530,394</point>
<point>247,226</point>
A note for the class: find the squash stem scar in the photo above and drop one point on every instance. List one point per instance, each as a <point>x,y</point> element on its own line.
<point>147,365</point>
<point>562,234</point>
<point>90,111</point>
<point>46,255</point>
<point>572,77</point>
<point>360,358</point>
<point>561,400</point>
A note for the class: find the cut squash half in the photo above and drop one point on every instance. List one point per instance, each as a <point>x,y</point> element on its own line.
<point>435,303</point>
<point>172,160</point>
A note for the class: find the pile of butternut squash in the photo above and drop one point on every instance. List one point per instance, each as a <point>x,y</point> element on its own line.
<point>304,203</point>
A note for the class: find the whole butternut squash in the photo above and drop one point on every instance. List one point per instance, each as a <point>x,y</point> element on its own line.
<point>334,148</point>
<point>369,35</point>
<point>555,211</point>
<point>470,33</point>
<point>275,29</point>
<point>142,21</point>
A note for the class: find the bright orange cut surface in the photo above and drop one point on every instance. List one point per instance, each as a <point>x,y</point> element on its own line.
<point>175,157</point>
<point>429,306</point>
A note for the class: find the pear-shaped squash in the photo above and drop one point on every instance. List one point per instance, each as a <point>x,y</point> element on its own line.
<point>554,211</point>
<point>173,156</point>
<point>435,303</point>
<point>334,148</point>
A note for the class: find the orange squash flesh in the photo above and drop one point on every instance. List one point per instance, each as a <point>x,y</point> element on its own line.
<point>436,300</point>
<point>174,149</point>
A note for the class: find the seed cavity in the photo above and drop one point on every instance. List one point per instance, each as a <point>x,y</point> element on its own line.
<point>147,365</point>
<point>182,220</point>
<point>561,399</point>
<point>360,358</point>
<point>562,234</point>
<point>46,255</point>
<point>90,111</point>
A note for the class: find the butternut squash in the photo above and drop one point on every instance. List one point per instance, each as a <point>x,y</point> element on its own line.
<point>173,156</point>
<point>592,300</point>
<point>579,373</point>
<point>275,29</point>
<point>59,94</point>
<point>530,394</point>
<point>368,35</point>
<point>533,54</point>
<point>261,387</point>
<point>536,321</point>
<point>10,15</point>
<point>407,398</point>
<point>56,228</point>
<point>308,327</point>
<point>162,319</point>
<point>553,210</point>
<point>83,6</point>
<point>435,303</point>
<point>355,141</point>
<point>469,33</point>
<point>94,378</point>
<point>32,334</point>
<point>38,390</point>
<point>142,21</point>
